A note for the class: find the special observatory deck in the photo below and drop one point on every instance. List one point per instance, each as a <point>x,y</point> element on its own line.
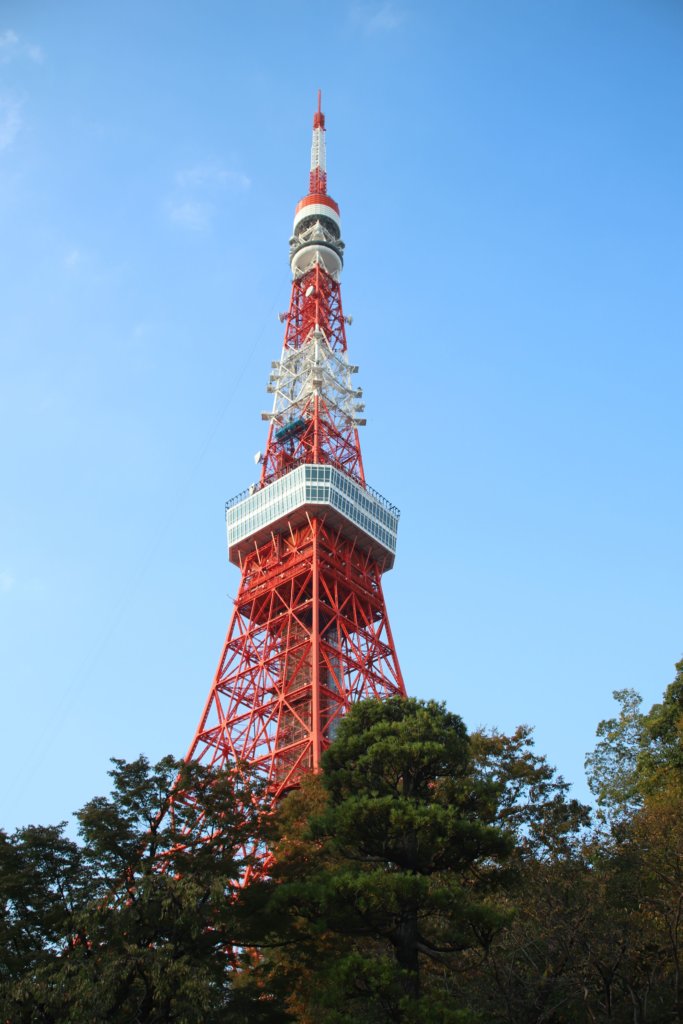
<point>359,512</point>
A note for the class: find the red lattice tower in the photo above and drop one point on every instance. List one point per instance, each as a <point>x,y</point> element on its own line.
<point>309,633</point>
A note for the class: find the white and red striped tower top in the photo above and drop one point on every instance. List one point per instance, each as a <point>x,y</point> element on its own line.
<point>316,407</point>
<point>317,205</point>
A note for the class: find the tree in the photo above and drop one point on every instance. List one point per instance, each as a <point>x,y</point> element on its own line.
<point>133,924</point>
<point>386,870</point>
<point>533,800</point>
<point>637,753</point>
<point>660,762</point>
<point>634,940</point>
<point>530,972</point>
<point>613,767</point>
<point>657,835</point>
<point>44,882</point>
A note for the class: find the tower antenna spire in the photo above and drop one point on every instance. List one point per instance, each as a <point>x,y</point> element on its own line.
<point>318,178</point>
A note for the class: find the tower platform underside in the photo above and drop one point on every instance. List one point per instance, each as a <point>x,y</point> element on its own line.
<point>311,489</point>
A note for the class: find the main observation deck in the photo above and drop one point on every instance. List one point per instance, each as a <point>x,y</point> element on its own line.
<point>358,512</point>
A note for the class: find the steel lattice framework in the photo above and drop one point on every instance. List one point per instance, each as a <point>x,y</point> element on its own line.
<point>309,633</point>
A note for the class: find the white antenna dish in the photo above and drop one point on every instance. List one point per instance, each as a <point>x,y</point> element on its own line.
<point>257,457</point>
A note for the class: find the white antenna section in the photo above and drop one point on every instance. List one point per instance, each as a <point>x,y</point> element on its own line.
<point>318,157</point>
<point>315,369</point>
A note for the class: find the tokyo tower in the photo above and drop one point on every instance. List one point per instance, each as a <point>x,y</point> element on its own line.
<point>309,633</point>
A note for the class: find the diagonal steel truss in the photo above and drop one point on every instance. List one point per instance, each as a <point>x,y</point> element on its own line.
<point>309,636</point>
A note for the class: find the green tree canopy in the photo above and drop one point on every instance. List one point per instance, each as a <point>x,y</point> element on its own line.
<point>638,753</point>
<point>613,767</point>
<point>634,932</point>
<point>135,923</point>
<point>661,760</point>
<point>385,870</point>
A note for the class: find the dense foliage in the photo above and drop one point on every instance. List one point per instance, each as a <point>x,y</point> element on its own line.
<point>425,876</point>
<point>132,923</point>
<point>386,870</point>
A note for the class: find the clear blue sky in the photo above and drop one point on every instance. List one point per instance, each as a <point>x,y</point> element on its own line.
<point>509,174</point>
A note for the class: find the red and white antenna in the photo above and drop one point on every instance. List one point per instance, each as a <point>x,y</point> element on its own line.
<point>316,233</point>
<point>318,179</point>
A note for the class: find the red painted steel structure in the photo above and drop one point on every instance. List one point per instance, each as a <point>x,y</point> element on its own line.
<point>309,632</point>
